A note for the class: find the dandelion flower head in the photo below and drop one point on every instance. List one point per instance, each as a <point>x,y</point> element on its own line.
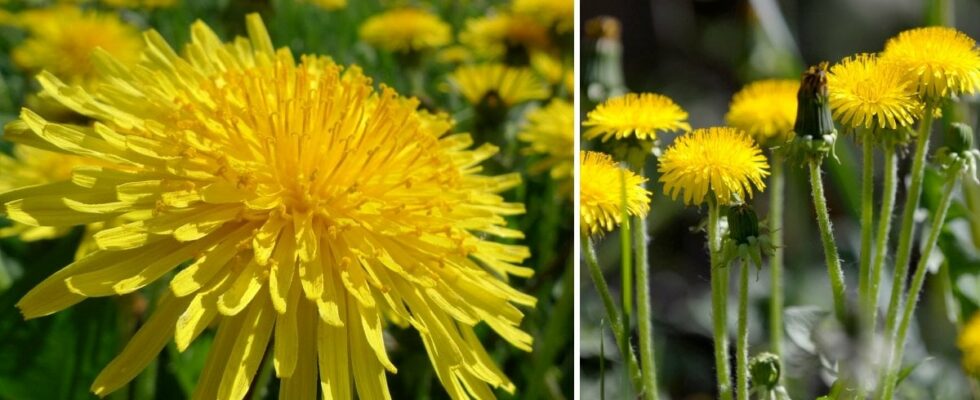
<point>601,193</point>
<point>480,83</point>
<point>765,109</point>
<point>550,131</point>
<point>313,208</point>
<point>942,61</point>
<point>969,344</point>
<point>505,37</point>
<point>866,91</point>
<point>640,115</point>
<point>724,161</point>
<point>406,30</point>
<point>557,13</point>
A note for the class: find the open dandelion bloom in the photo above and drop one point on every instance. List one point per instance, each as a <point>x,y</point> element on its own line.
<point>865,91</point>
<point>635,115</point>
<point>406,30</point>
<point>550,131</point>
<point>505,37</point>
<point>724,161</point>
<point>557,13</point>
<point>969,344</point>
<point>61,38</point>
<point>942,61</point>
<point>766,110</point>
<point>498,83</point>
<point>312,207</point>
<point>601,193</point>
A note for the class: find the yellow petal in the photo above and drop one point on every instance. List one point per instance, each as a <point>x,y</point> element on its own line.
<point>369,376</point>
<point>333,359</point>
<point>52,295</point>
<point>286,345</point>
<point>328,305</point>
<point>302,384</point>
<point>242,291</point>
<point>282,270</point>
<point>142,348</point>
<point>199,313</point>
<point>199,273</point>
<point>247,353</point>
<point>265,239</point>
<point>374,335</point>
<point>229,330</point>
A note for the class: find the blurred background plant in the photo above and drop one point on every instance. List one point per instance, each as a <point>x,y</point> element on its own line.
<point>529,41</point>
<point>700,54</point>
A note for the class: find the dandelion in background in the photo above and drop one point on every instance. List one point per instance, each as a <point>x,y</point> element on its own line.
<point>314,209</point>
<point>406,30</point>
<point>550,132</point>
<point>765,110</point>
<point>969,343</point>
<point>497,85</point>
<point>635,115</point>
<point>867,92</point>
<point>942,61</point>
<point>506,38</point>
<point>600,196</point>
<point>724,161</point>
<point>558,14</point>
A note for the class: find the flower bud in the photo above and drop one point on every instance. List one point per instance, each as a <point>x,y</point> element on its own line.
<point>764,369</point>
<point>813,117</point>
<point>959,137</point>
<point>742,224</point>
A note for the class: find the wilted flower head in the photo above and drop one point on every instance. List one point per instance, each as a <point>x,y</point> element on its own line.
<point>312,207</point>
<point>635,115</point>
<point>765,110</point>
<point>942,61</point>
<point>406,30</point>
<point>601,193</point>
<point>724,161</point>
<point>865,91</point>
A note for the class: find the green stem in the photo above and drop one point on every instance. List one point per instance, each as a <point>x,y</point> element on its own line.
<point>545,353</point>
<point>884,228</point>
<point>615,319</point>
<point>719,303</point>
<point>898,345</point>
<point>626,266</point>
<point>648,365</point>
<point>742,346</point>
<point>827,236</point>
<point>904,251</point>
<point>777,182</point>
<point>867,224</point>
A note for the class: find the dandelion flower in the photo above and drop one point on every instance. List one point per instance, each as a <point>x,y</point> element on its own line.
<point>313,209</point>
<point>969,344</point>
<point>865,91</point>
<point>942,61</point>
<point>62,38</point>
<point>766,110</point>
<point>548,67</point>
<point>406,30</point>
<point>723,160</point>
<point>635,115</point>
<point>557,13</point>
<point>506,37</point>
<point>498,83</point>
<point>454,55</point>
<point>550,131</point>
<point>601,193</point>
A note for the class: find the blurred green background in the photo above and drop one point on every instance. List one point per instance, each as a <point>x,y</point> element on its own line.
<point>58,357</point>
<point>699,53</point>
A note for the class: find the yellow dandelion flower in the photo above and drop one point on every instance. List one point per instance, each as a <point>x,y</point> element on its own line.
<point>638,115</point>
<point>766,110</point>
<point>62,38</point>
<point>406,30</point>
<point>497,82</point>
<point>557,13</point>
<point>569,81</point>
<point>550,131</point>
<point>505,36</point>
<point>313,209</point>
<point>941,60</point>
<point>454,55</point>
<point>969,344</point>
<point>723,160</point>
<point>865,91</point>
<point>548,66</point>
<point>601,193</point>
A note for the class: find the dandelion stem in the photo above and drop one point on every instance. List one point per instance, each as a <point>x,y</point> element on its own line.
<point>777,181</point>
<point>615,319</point>
<point>904,251</point>
<point>742,346</point>
<point>867,224</point>
<point>648,365</point>
<point>884,228</point>
<point>827,236</point>
<point>719,302</point>
<point>898,345</point>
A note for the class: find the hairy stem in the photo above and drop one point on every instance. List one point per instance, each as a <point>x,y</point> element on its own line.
<point>867,225</point>
<point>719,303</point>
<point>884,230</point>
<point>648,365</point>
<point>834,270</point>
<point>742,346</point>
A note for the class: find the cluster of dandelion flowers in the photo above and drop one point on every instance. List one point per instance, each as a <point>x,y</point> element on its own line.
<point>550,131</point>
<point>766,110</point>
<point>942,61</point>
<point>601,193</point>
<point>406,30</point>
<point>559,14</point>
<point>497,85</point>
<point>724,161</point>
<point>61,38</point>
<point>969,344</point>
<point>313,209</point>
<point>865,91</point>
<point>640,115</point>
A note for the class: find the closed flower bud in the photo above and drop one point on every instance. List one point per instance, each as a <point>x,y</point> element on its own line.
<point>764,369</point>
<point>813,117</point>
<point>742,224</point>
<point>959,137</point>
